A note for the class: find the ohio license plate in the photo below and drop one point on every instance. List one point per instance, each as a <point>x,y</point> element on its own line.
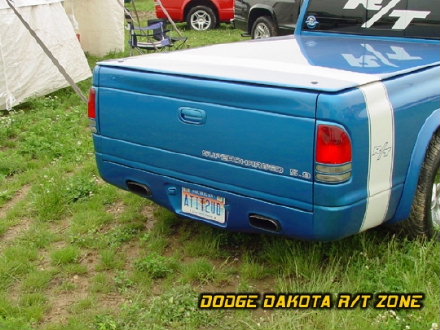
<point>204,205</point>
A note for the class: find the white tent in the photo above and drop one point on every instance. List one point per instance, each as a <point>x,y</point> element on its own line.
<point>100,23</point>
<point>25,69</point>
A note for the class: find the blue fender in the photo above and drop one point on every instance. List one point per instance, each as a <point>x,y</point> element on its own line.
<point>431,125</point>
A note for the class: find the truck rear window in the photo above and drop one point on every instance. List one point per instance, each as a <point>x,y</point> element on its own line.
<point>394,18</point>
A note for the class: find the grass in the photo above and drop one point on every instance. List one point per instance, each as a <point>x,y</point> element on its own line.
<point>77,253</point>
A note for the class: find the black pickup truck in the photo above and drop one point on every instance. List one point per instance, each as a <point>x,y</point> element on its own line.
<point>266,18</point>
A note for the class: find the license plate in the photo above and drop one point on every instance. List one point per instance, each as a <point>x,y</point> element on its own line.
<point>204,205</point>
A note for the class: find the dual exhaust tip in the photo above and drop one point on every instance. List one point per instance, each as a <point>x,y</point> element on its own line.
<point>139,189</point>
<point>255,220</point>
<point>264,223</point>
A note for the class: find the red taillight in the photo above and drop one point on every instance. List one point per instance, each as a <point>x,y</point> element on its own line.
<point>333,145</point>
<point>92,103</point>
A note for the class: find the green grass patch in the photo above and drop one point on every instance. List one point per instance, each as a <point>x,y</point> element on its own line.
<point>65,256</point>
<point>37,281</point>
<point>110,259</point>
<point>102,283</point>
<point>199,271</point>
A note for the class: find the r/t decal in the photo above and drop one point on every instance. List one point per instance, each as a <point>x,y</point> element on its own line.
<point>377,59</point>
<point>382,151</point>
<point>404,17</point>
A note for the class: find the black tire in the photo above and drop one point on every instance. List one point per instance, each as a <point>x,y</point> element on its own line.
<point>201,18</point>
<point>424,221</point>
<point>264,27</point>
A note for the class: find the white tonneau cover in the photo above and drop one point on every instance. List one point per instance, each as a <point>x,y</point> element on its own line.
<point>319,63</point>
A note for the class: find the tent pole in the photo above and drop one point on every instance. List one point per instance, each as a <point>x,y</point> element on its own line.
<point>48,53</point>
<point>169,17</point>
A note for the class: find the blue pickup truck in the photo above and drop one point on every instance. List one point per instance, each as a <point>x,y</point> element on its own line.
<point>318,135</point>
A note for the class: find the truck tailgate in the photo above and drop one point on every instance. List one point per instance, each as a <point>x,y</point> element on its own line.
<point>247,139</point>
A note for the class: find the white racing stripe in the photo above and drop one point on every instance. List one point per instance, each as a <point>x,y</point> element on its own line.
<point>381,157</point>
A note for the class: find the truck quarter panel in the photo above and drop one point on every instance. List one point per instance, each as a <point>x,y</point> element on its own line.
<point>417,117</point>
<point>412,99</point>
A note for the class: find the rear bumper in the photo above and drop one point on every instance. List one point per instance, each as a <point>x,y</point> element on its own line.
<point>324,223</point>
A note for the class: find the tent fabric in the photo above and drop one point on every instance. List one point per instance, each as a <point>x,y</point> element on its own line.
<point>100,24</point>
<point>26,3</point>
<point>25,70</point>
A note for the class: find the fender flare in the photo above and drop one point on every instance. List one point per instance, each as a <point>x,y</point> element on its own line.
<point>262,7</point>
<point>424,137</point>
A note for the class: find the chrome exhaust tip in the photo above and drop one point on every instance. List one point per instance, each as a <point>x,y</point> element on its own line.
<point>139,189</point>
<point>264,223</point>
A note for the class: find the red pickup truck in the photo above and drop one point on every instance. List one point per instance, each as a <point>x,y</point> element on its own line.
<point>199,14</point>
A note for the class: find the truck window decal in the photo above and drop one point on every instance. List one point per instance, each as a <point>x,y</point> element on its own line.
<point>392,18</point>
<point>404,17</point>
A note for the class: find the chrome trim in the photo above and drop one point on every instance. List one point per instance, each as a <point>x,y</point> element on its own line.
<point>92,125</point>
<point>333,178</point>
<point>333,169</point>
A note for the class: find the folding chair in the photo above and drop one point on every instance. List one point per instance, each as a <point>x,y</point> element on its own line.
<point>177,42</point>
<point>149,38</point>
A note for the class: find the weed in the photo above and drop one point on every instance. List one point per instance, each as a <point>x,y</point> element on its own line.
<point>156,266</point>
<point>124,233</point>
<point>123,282</point>
<point>105,322</point>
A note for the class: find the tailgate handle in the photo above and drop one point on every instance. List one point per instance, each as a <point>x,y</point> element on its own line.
<point>192,116</point>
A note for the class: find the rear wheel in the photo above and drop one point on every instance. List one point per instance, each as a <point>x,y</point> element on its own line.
<point>424,220</point>
<point>201,18</point>
<point>263,27</point>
